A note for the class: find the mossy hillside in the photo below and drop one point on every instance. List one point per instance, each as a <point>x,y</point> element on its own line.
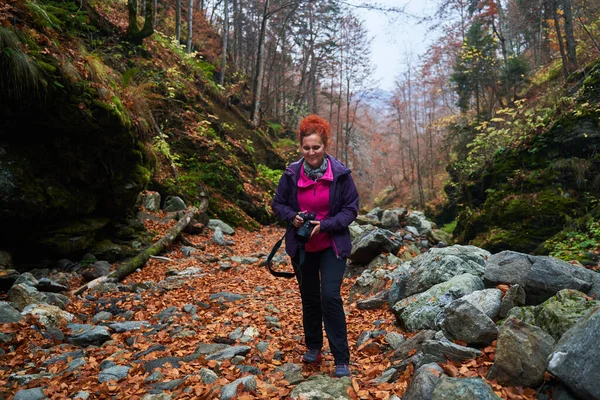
<point>515,221</point>
<point>69,152</point>
<point>530,192</point>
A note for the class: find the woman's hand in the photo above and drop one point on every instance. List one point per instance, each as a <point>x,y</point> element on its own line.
<point>297,221</point>
<point>317,227</point>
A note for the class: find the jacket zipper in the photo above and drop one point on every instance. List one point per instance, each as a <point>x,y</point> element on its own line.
<point>335,250</point>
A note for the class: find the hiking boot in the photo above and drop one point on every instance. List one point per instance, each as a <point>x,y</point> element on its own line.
<point>312,356</point>
<point>342,370</point>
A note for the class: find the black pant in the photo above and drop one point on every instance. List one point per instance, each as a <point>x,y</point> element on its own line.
<point>320,279</point>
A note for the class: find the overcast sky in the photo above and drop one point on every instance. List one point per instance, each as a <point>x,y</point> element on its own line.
<point>394,37</point>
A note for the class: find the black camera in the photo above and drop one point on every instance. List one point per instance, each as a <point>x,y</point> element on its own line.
<point>303,233</point>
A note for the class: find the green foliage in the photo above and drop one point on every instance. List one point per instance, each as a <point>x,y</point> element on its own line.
<point>514,75</point>
<point>19,74</point>
<point>61,16</point>
<point>576,244</point>
<point>275,127</point>
<point>511,128</point>
<point>160,143</point>
<point>249,146</point>
<point>449,227</point>
<point>474,68</point>
<point>267,176</point>
<point>284,143</point>
<point>231,213</point>
<point>192,60</point>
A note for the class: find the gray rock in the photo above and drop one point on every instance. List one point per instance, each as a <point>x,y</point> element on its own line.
<point>159,362</point>
<point>521,355</point>
<point>464,321</point>
<point>115,373</point>
<point>424,381</point>
<point>173,204</point>
<point>422,311</point>
<point>87,335</point>
<point>395,339</point>
<point>64,357</point>
<point>291,373</point>
<point>56,299</point>
<point>102,316</point>
<point>576,357</point>
<point>30,394</point>
<point>27,278</point>
<point>151,201</point>
<point>487,300</point>
<point>218,237</point>
<point>208,348</point>
<point>372,243</point>
<point>321,387</point>
<point>463,389</point>
<point>50,316</point>
<point>226,296</point>
<point>514,297</point>
<point>388,376</point>
<point>541,277</point>
<point>208,376</point>
<point>21,295</point>
<point>229,391</point>
<point>228,353</point>
<point>120,327</point>
<point>441,265</point>
<point>413,343</point>
<point>8,313</point>
<point>445,349</point>
<point>46,284</point>
<point>96,270</point>
<point>217,223</point>
<point>25,379</point>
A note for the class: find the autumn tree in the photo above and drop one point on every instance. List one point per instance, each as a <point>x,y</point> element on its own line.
<point>134,33</point>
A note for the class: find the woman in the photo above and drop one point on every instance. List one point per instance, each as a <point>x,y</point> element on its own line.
<point>320,184</point>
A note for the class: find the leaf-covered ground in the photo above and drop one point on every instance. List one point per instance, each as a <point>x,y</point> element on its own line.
<point>213,322</point>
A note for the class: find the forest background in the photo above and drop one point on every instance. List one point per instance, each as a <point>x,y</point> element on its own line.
<point>493,130</point>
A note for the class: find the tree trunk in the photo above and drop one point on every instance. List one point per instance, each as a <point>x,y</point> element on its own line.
<point>225,37</point>
<point>138,261</point>
<point>347,124</point>
<point>260,65</point>
<point>340,141</point>
<point>190,19</point>
<point>155,2</point>
<point>178,20</point>
<point>569,36</point>
<point>561,46</point>
<point>234,4</point>
<point>134,35</point>
<point>132,29</point>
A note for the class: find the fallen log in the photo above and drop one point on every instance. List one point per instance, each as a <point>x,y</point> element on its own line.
<point>130,266</point>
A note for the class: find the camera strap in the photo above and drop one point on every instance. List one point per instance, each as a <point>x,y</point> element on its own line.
<point>279,274</point>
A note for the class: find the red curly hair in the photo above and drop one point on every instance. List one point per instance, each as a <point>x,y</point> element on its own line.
<point>312,124</point>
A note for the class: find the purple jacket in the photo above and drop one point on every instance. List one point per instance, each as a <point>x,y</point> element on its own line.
<point>343,206</point>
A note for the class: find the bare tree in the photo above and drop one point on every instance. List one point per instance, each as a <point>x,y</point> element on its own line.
<point>225,38</point>
<point>190,20</point>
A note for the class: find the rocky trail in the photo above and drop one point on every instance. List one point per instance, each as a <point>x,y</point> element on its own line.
<point>207,321</point>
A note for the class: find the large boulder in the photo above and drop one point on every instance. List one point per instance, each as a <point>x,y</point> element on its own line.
<point>541,277</point>
<point>576,357</point>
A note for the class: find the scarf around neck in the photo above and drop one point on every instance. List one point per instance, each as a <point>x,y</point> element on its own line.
<point>315,173</point>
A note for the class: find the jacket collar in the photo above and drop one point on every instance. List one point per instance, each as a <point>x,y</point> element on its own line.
<point>337,168</point>
<point>305,181</point>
